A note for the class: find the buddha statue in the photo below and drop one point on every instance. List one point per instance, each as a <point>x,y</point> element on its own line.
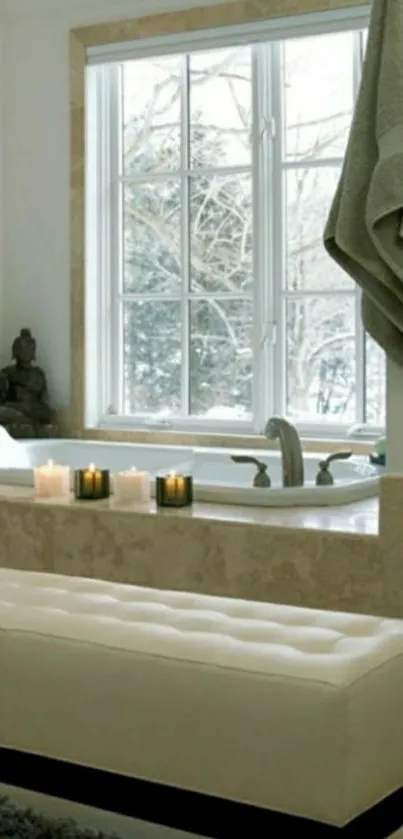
<point>24,403</point>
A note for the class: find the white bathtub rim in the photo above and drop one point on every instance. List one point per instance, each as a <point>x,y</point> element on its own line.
<point>307,496</point>
<point>363,487</point>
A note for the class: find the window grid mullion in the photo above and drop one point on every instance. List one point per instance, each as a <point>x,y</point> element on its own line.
<point>171,174</point>
<point>113,231</point>
<point>261,237</point>
<point>258,372</point>
<point>360,361</point>
<point>118,233</point>
<point>185,238</point>
<point>320,292</point>
<point>314,163</point>
<point>279,233</point>
<point>191,295</point>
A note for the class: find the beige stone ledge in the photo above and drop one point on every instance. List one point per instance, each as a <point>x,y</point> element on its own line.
<point>202,17</point>
<point>360,518</point>
<point>279,556</point>
<point>279,564</point>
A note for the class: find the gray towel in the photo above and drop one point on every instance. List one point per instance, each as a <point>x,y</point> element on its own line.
<point>364,232</point>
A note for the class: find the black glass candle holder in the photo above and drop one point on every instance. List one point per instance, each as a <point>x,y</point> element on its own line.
<point>91,484</point>
<point>174,490</point>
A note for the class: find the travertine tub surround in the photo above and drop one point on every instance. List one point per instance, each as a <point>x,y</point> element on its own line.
<point>292,556</point>
<point>169,23</point>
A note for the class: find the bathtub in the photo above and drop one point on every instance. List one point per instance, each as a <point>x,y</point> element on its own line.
<point>80,453</point>
<point>216,477</point>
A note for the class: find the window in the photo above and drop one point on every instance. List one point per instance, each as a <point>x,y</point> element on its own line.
<point>211,303</point>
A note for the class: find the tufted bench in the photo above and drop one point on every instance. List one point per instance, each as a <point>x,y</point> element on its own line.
<point>196,711</point>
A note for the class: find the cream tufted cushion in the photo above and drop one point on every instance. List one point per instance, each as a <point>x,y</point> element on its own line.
<point>292,709</point>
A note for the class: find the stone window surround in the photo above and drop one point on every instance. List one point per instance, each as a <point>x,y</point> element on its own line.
<point>167,23</point>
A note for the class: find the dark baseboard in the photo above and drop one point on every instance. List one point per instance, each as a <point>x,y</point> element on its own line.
<point>194,812</point>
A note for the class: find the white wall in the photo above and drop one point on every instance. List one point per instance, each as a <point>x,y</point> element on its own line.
<point>36,173</point>
<point>2,81</point>
<point>36,154</point>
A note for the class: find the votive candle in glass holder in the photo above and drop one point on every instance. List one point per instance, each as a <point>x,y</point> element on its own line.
<point>91,484</point>
<point>131,487</point>
<point>51,481</point>
<point>174,490</point>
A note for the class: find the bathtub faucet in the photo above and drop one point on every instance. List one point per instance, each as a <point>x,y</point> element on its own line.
<point>278,428</point>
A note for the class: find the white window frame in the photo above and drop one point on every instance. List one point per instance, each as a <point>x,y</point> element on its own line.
<point>104,218</point>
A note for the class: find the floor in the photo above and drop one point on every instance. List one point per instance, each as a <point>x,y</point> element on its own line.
<point>87,817</point>
<point>120,826</point>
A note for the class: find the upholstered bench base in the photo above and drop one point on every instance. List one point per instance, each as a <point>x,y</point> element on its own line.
<point>197,711</point>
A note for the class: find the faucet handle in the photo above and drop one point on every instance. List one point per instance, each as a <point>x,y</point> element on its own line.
<point>261,478</point>
<point>324,476</point>
<point>341,455</point>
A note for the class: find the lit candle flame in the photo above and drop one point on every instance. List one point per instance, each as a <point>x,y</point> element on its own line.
<point>91,467</point>
<point>50,464</point>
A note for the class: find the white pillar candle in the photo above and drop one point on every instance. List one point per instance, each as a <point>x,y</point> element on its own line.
<point>132,487</point>
<point>51,481</point>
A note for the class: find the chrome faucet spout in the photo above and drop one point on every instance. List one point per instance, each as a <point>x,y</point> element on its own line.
<point>278,428</point>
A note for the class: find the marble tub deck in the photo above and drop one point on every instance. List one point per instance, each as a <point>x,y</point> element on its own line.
<point>362,517</point>
<point>332,558</point>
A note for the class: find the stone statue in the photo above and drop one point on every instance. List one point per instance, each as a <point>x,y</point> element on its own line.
<point>24,404</point>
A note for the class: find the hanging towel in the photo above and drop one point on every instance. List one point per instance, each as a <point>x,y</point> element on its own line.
<point>364,232</point>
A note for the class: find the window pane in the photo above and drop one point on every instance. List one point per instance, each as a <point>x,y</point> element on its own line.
<point>375,383</point>
<point>151,114</point>
<point>152,237</point>
<point>320,359</point>
<point>221,233</point>
<point>221,358</point>
<point>152,358</point>
<point>220,107</point>
<point>308,196</point>
<point>318,97</point>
